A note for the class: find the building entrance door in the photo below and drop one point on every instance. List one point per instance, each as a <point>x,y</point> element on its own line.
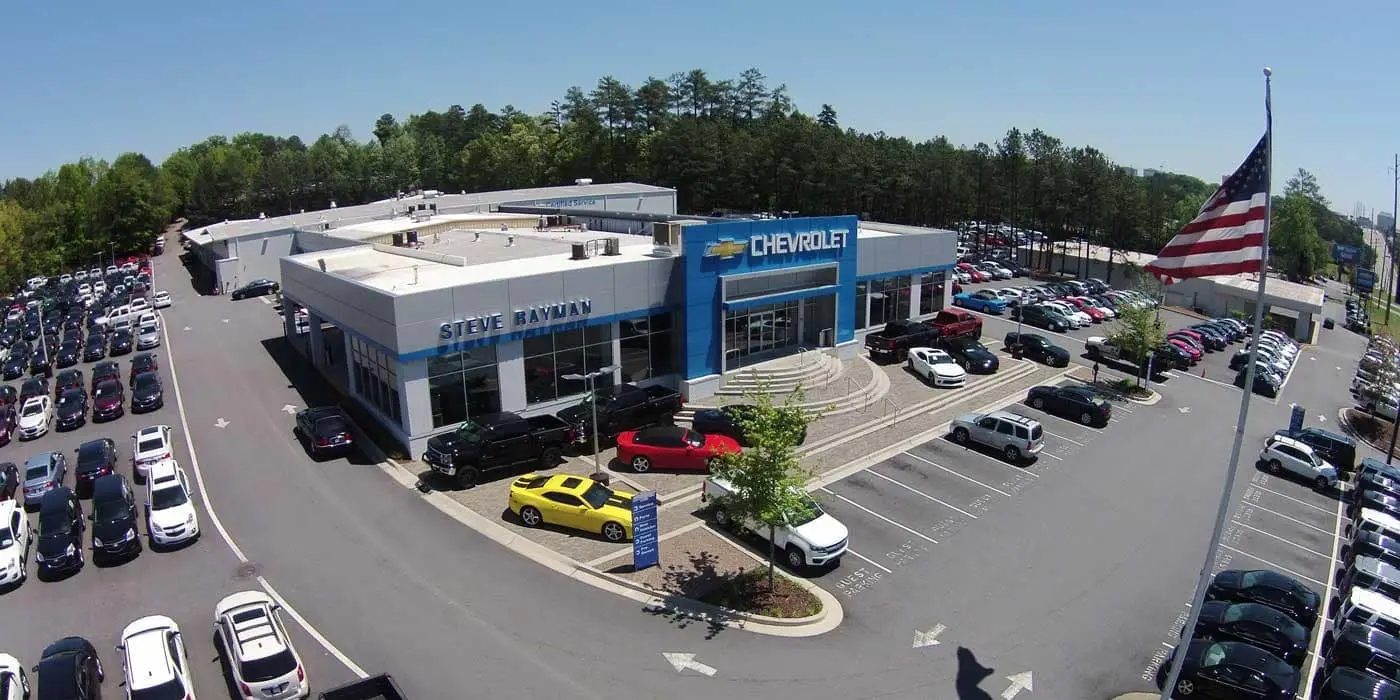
<point>760,333</point>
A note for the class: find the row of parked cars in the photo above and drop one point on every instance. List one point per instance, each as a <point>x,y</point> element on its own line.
<point>249,633</point>
<point>36,407</point>
<point>1376,385</point>
<point>1277,353</point>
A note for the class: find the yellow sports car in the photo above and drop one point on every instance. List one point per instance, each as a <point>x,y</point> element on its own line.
<point>572,501</point>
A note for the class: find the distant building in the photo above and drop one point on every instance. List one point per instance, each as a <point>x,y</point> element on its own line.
<point>1385,221</point>
<point>1130,172</point>
<point>1149,172</point>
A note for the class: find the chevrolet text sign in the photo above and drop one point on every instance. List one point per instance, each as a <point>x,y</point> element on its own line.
<point>788,243</point>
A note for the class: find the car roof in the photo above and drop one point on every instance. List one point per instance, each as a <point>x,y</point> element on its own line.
<point>1356,683</point>
<point>254,634</point>
<point>1291,442</point>
<point>671,431</point>
<point>148,656</point>
<point>7,507</point>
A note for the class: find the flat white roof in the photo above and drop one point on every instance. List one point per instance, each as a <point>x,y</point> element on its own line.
<point>399,224</point>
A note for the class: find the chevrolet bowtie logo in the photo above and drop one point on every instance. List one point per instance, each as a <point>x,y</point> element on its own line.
<point>725,249</point>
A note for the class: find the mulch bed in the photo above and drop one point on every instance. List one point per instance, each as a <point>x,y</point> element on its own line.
<point>749,592</point>
<point>1376,431</point>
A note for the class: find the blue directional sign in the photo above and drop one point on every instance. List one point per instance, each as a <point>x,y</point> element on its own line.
<point>646,550</point>
<point>1346,254</point>
<point>1295,420</point>
<point>1365,281</point>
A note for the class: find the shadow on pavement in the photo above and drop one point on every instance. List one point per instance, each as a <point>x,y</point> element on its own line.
<point>314,390</point>
<point>970,675</point>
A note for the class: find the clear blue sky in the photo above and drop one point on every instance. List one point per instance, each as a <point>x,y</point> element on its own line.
<point>1154,85</point>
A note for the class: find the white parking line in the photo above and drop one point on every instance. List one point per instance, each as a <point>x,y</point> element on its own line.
<point>266,300</point>
<point>1285,517</point>
<point>1327,595</point>
<point>1061,437</point>
<point>868,560</point>
<point>921,493</point>
<point>1269,563</point>
<point>1280,539</point>
<point>1043,453</point>
<point>905,528</point>
<point>960,476</point>
<point>1295,500</point>
<point>1124,409</point>
<point>997,460</point>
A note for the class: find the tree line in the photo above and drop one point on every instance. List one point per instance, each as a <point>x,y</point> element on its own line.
<point>724,144</point>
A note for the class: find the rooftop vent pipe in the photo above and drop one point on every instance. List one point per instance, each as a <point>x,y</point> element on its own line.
<point>612,246</point>
<point>510,241</point>
<point>580,252</point>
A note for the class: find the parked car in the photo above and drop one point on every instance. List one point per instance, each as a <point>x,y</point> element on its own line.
<point>492,443</point>
<point>983,300</point>
<point>170,513</point>
<point>971,355</point>
<point>71,668</point>
<point>16,538</point>
<point>380,687</point>
<point>892,343</point>
<point>150,445</point>
<point>1269,588</point>
<point>9,481</point>
<point>43,472</point>
<point>618,408</point>
<point>1038,348</point>
<point>1337,449</point>
<point>253,640</point>
<point>256,288</point>
<point>324,430</point>
<point>730,420</point>
<point>1283,454</point>
<point>672,448</point>
<point>61,527</point>
<point>71,410</point>
<point>154,659</point>
<point>161,299</point>
<point>573,502</point>
<point>35,416</point>
<point>95,459</point>
<point>937,367</point>
<point>108,400</point>
<point>1071,402</point>
<point>814,539</point>
<point>147,393</point>
<point>114,533</point>
<point>955,323</point>
<point>1259,625</point>
<point>1228,670</point>
<point>1016,437</point>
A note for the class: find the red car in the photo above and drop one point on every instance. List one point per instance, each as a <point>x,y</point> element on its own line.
<point>976,274</point>
<point>8,422</point>
<point>671,447</point>
<point>1094,312</point>
<point>1187,348</point>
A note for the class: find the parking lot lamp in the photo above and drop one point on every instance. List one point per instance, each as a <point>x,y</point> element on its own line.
<point>589,383</point>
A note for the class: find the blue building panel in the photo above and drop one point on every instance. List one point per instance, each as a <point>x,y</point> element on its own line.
<point>712,251</point>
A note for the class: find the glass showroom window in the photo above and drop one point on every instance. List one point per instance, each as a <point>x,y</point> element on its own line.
<point>889,300</point>
<point>862,296</point>
<point>463,384</point>
<point>548,358</point>
<point>646,348</point>
<point>930,293</point>
<point>376,378</point>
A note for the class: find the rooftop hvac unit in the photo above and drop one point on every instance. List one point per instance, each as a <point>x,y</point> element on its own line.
<point>429,194</point>
<point>583,181</point>
<point>580,252</point>
<point>667,233</point>
<point>612,246</point>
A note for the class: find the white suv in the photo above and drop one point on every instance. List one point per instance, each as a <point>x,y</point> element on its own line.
<point>14,685</point>
<point>1282,454</point>
<point>153,656</point>
<point>148,446</point>
<point>258,650</point>
<point>15,540</point>
<point>170,514</point>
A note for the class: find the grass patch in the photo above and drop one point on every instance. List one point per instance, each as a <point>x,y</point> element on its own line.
<point>1131,388</point>
<point>748,592</point>
<point>1377,311</point>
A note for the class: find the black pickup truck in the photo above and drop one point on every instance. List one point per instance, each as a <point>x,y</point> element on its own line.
<point>892,343</point>
<point>497,442</point>
<point>380,687</point>
<point>622,407</point>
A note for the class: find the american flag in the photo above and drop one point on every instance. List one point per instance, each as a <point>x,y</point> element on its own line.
<point>1227,236</point>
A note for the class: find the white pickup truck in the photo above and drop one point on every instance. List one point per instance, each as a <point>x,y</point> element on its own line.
<point>816,540</point>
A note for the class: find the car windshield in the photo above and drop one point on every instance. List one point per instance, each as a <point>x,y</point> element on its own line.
<point>111,508</point>
<point>333,425</point>
<point>105,390</point>
<point>597,495</point>
<point>55,522</point>
<point>149,445</point>
<point>70,398</point>
<point>694,439</point>
<point>7,538</point>
<point>810,511</point>
<point>144,381</point>
<point>471,432</point>
<point>170,690</point>
<point>169,497</point>
<point>36,472</point>
<point>32,409</point>
<point>268,668</point>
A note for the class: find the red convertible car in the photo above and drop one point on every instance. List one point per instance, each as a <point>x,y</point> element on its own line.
<point>671,447</point>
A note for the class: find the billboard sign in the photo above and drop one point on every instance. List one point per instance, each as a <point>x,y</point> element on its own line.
<point>646,550</point>
<point>1365,281</point>
<point>1346,254</point>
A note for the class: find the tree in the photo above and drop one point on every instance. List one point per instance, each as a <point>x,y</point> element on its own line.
<point>1295,247</point>
<point>1305,183</point>
<point>767,477</point>
<point>1138,333</point>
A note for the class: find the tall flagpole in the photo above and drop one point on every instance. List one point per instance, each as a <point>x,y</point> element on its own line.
<point>1208,568</point>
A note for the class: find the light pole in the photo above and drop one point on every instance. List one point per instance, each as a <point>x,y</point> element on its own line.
<point>1394,203</point>
<point>589,382</point>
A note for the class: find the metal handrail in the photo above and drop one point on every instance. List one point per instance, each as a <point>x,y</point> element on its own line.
<point>885,402</point>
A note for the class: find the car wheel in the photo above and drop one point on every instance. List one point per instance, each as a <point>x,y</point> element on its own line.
<point>466,478</point>
<point>1185,687</point>
<point>795,560</point>
<point>614,532</point>
<point>1012,454</point>
<point>722,518</point>
<point>1321,483</point>
<point>961,436</point>
<point>1086,419</point>
<point>550,457</point>
<point>531,516</point>
<point>1038,403</point>
<point>1275,466</point>
<point>711,463</point>
<point>641,464</point>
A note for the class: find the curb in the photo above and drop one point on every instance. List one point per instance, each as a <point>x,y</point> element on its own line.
<point>1346,428</point>
<point>830,616</point>
<point>1149,401</point>
<point>1137,696</point>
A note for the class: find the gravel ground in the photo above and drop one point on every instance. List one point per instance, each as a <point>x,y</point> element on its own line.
<point>692,564</point>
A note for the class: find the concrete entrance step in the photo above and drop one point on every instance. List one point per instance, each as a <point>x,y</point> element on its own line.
<point>810,370</point>
<point>866,396</point>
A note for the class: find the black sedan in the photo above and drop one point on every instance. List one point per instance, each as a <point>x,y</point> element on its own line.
<point>325,430</point>
<point>69,354</point>
<point>142,363</point>
<point>68,379</point>
<point>729,420</point>
<point>1351,684</point>
<point>147,394</point>
<point>971,355</point>
<point>1267,588</point>
<point>1252,623</point>
<point>15,366</point>
<point>1038,348</point>
<point>1377,500</point>
<point>9,420</point>
<point>96,348</point>
<point>1072,402</point>
<point>1263,384</point>
<point>103,371</point>
<point>9,480</point>
<point>71,410</point>
<point>256,288</point>
<point>1230,670</point>
<point>121,343</point>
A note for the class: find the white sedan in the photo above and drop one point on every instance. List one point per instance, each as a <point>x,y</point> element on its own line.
<point>35,417</point>
<point>161,300</point>
<point>148,446</point>
<point>936,366</point>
